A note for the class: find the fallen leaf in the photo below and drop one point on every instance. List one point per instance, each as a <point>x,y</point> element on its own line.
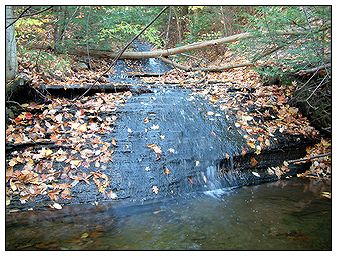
<point>8,201</point>
<point>253,162</point>
<point>57,206</point>
<point>111,194</point>
<point>171,150</point>
<point>251,144</point>
<point>146,120</point>
<point>256,174</point>
<point>155,127</point>
<point>58,118</point>
<point>84,235</point>
<point>82,128</point>
<point>156,149</point>
<point>113,142</point>
<point>155,189</point>
<point>258,150</point>
<point>326,195</point>
<point>12,162</point>
<point>167,171</point>
<point>28,115</point>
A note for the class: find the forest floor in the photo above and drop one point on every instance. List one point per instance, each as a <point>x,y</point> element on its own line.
<point>46,143</point>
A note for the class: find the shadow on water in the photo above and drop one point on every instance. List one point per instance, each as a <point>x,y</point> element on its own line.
<point>283,215</point>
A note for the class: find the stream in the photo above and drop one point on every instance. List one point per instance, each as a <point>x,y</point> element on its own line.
<point>282,215</point>
<point>197,207</point>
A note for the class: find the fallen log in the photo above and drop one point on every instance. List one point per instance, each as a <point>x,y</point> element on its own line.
<point>177,50</point>
<point>308,158</point>
<point>313,70</point>
<point>97,87</point>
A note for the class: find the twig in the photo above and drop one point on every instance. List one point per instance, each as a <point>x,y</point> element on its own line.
<point>316,88</point>
<point>308,158</point>
<point>121,52</point>
<point>313,70</point>
<point>21,14</point>
<point>35,13</point>
<point>14,102</point>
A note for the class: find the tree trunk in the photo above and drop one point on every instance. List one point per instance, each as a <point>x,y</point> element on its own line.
<point>177,50</point>
<point>165,52</point>
<point>11,57</point>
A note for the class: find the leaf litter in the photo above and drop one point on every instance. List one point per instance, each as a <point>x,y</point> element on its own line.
<point>57,143</point>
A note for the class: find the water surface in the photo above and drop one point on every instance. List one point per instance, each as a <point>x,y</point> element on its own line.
<point>283,215</point>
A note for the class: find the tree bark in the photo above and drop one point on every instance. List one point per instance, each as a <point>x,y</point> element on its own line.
<point>165,52</point>
<point>177,50</point>
<point>11,56</point>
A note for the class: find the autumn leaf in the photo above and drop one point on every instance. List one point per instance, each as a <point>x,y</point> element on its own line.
<point>253,162</point>
<point>28,115</point>
<point>166,171</point>
<point>12,162</point>
<point>156,149</point>
<point>58,118</point>
<point>155,127</point>
<point>256,174</point>
<point>113,142</point>
<point>258,150</point>
<point>251,144</point>
<point>155,189</point>
<point>57,206</point>
<point>82,128</point>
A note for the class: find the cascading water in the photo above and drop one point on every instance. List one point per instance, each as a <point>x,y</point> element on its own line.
<point>193,141</point>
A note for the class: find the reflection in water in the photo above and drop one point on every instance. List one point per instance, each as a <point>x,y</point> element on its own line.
<point>284,215</point>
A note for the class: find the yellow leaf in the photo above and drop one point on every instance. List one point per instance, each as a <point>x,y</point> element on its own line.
<point>251,144</point>
<point>8,201</point>
<point>75,162</point>
<point>84,235</point>
<point>48,152</point>
<point>326,195</point>
<point>258,150</point>
<point>61,158</point>
<point>82,128</point>
<point>12,162</point>
<point>12,185</point>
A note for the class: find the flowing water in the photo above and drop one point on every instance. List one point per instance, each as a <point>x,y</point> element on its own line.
<point>197,208</point>
<point>283,215</point>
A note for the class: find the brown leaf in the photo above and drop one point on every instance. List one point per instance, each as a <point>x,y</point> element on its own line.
<point>253,162</point>
<point>167,171</point>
